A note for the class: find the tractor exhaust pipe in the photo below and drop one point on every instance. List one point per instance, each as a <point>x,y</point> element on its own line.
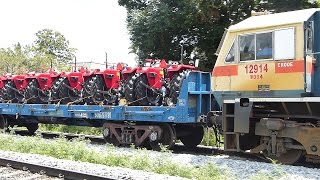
<point>75,64</point>
<point>106,60</point>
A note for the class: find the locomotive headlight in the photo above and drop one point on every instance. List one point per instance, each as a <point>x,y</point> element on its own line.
<point>153,136</point>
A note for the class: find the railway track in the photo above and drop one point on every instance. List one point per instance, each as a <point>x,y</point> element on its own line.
<point>12,169</point>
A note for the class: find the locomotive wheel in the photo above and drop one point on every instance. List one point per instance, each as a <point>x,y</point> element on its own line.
<point>193,139</point>
<point>291,157</point>
<point>96,84</point>
<point>34,95</point>
<point>175,87</point>
<point>144,95</point>
<point>168,138</point>
<point>129,88</point>
<point>32,127</point>
<point>3,124</point>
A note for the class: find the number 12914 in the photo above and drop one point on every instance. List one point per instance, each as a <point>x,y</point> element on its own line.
<point>256,68</point>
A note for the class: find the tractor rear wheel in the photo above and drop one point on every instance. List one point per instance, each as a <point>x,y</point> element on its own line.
<point>145,94</point>
<point>56,85</point>
<point>34,95</point>
<point>175,87</point>
<point>129,88</point>
<point>95,89</point>
<point>63,93</point>
<point>9,93</point>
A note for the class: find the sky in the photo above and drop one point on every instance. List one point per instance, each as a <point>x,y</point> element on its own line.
<point>92,26</point>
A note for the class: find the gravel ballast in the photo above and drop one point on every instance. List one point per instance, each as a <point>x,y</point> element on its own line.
<point>230,166</point>
<point>102,170</point>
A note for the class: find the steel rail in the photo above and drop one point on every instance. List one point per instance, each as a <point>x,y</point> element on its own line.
<point>50,171</point>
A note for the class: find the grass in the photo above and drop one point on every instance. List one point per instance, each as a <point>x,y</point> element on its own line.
<point>209,138</point>
<point>78,150</point>
<point>70,129</point>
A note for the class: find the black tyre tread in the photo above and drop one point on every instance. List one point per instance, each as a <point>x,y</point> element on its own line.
<point>88,90</point>
<point>129,89</point>
<point>8,93</point>
<point>141,90</point>
<point>91,90</point>
<point>146,96</point>
<point>55,89</point>
<point>31,93</point>
<point>175,86</point>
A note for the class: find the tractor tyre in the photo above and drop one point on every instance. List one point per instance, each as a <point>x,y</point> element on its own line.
<point>129,89</point>
<point>175,87</point>
<point>145,95</point>
<point>8,93</point>
<point>34,95</point>
<point>92,88</point>
<point>56,85</point>
<point>66,95</point>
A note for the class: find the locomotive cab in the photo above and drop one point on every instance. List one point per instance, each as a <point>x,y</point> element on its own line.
<point>269,56</point>
<point>266,82</point>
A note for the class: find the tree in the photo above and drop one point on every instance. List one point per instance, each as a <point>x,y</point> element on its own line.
<point>54,45</point>
<point>285,5</point>
<point>49,47</point>
<point>161,27</point>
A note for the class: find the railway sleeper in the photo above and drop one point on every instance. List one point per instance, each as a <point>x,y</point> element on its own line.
<point>126,134</point>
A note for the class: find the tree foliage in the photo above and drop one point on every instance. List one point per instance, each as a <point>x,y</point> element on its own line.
<point>48,46</point>
<point>161,27</point>
<point>53,43</point>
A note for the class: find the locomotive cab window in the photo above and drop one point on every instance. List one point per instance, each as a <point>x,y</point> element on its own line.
<point>247,47</point>
<point>264,46</point>
<point>309,37</point>
<point>231,55</point>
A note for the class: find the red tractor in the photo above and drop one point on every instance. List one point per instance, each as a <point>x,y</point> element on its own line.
<point>68,88</point>
<point>103,87</point>
<point>158,84</point>
<point>176,73</point>
<point>38,90</point>
<point>14,88</point>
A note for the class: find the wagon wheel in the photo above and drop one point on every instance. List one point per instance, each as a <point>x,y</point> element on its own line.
<point>110,139</point>
<point>168,138</point>
<point>32,127</point>
<point>193,139</point>
<point>3,124</point>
